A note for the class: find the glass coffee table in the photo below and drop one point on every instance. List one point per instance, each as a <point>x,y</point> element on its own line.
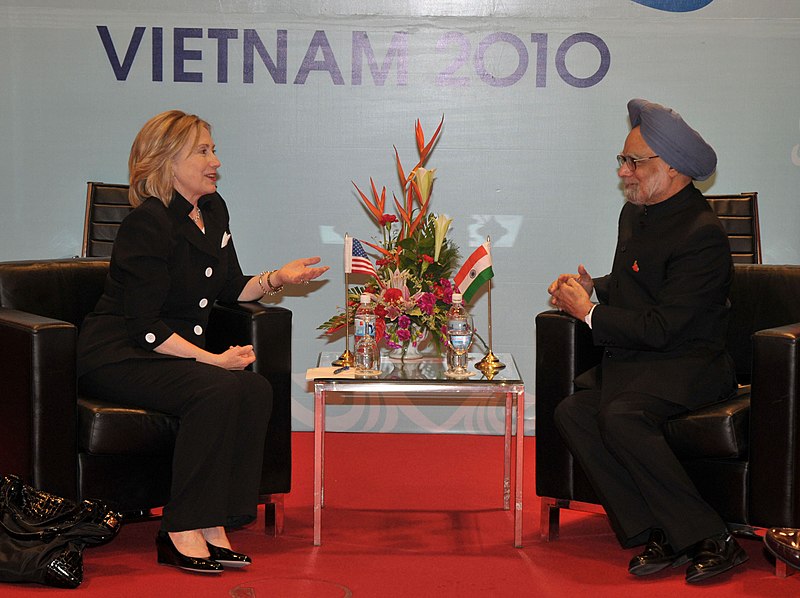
<point>424,382</point>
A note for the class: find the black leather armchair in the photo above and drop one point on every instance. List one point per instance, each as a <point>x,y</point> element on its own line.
<point>81,447</point>
<point>743,454</point>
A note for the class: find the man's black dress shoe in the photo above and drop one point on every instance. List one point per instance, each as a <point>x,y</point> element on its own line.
<point>169,555</point>
<point>657,555</point>
<point>784,543</point>
<point>227,557</point>
<point>713,556</point>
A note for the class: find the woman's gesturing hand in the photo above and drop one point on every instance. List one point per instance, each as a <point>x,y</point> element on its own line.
<point>298,271</point>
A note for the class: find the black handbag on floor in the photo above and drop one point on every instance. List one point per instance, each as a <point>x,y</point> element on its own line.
<point>42,536</point>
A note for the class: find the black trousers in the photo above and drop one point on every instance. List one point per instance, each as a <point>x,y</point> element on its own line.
<point>640,482</point>
<point>216,466</point>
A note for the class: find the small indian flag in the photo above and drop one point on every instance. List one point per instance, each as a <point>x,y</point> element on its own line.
<point>475,272</point>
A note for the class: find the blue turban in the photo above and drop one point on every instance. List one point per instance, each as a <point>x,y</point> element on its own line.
<point>672,139</point>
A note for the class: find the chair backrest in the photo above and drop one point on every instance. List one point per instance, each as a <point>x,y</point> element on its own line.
<point>106,206</point>
<point>61,289</point>
<point>762,296</point>
<point>739,216</point>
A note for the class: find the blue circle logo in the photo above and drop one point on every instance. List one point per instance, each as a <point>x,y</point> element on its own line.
<point>675,5</point>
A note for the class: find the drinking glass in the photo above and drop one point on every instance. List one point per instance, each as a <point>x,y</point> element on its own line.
<point>459,335</point>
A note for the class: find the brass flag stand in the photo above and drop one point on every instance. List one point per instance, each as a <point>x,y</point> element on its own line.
<point>346,359</point>
<point>490,364</point>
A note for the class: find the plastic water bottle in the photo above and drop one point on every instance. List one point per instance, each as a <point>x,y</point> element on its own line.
<point>366,347</point>
<point>364,318</point>
<point>457,320</point>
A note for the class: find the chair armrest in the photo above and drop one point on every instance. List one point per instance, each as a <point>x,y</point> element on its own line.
<point>269,329</point>
<point>775,427</point>
<point>564,349</point>
<point>38,410</point>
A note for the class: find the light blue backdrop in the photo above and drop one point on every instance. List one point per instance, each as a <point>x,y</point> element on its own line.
<point>533,94</point>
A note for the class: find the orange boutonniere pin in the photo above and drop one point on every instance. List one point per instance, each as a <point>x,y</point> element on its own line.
<point>635,266</point>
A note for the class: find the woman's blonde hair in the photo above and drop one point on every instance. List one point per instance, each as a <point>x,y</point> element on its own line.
<point>158,142</point>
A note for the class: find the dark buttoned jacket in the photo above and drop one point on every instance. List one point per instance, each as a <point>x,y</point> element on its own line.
<point>165,274</point>
<point>663,312</point>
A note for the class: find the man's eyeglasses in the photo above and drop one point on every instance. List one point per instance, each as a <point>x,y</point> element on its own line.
<point>624,160</point>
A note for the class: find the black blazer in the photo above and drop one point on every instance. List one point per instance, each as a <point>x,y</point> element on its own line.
<point>663,310</point>
<point>165,275</point>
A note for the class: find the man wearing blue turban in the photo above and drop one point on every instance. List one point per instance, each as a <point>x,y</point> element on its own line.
<point>661,317</point>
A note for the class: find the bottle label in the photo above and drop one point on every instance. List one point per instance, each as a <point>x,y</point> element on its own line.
<point>364,326</point>
<point>457,325</point>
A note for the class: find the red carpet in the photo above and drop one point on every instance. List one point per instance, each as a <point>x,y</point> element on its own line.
<point>409,515</point>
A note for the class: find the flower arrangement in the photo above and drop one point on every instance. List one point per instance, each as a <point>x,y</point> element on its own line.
<point>412,289</point>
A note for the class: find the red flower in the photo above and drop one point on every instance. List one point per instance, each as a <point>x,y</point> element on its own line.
<point>392,295</point>
<point>425,257</point>
<point>387,219</point>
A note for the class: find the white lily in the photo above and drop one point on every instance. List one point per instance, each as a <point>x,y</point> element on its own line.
<point>424,182</point>
<point>441,226</point>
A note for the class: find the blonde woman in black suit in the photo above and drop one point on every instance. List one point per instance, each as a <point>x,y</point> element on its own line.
<point>144,343</point>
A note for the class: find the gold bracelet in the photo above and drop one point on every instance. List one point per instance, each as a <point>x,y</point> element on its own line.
<point>273,290</point>
<point>261,283</point>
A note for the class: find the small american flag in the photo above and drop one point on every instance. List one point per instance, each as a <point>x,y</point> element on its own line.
<point>356,259</point>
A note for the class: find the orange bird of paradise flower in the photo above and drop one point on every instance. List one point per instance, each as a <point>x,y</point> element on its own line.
<point>377,207</point>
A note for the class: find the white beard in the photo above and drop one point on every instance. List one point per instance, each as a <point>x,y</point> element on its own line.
<point>651,191</point>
